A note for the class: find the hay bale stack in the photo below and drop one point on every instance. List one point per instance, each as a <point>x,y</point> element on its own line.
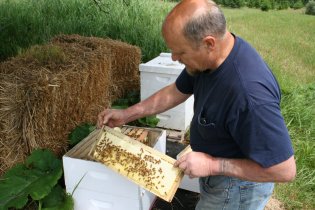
<point>125,60</point>
<point>50,89</point>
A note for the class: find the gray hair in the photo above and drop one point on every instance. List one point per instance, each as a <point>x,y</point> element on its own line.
<point>210,22</point>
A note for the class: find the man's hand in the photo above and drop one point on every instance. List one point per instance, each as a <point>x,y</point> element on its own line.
<point>111,117</point>
<point>197,164</point>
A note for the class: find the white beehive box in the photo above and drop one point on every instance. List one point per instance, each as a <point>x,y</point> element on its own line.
<point>190,184</point>
<point>96,187</point>
<point>158,73</point>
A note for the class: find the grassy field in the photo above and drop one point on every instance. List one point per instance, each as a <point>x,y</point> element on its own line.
<point>285,39</point>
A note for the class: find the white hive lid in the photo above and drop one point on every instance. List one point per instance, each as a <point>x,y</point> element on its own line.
<point>162,64</point>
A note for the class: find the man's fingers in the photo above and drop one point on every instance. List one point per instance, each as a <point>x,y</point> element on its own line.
<point>100,119</point>
<point>176,164</point>
<point>183,165</point>
<point>103,118</point>
<point>179,161</point>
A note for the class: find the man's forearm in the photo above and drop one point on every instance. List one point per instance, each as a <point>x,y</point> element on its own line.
<point>249,170</point>
<point>166,98</point>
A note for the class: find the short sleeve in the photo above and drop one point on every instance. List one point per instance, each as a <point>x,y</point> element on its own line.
<point>185,83</point>
<point>262,135</point>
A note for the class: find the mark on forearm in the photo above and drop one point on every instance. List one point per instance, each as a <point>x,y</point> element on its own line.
<point>223,166</point>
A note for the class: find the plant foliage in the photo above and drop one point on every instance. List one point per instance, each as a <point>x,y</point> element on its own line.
<point>130,99</point>
<point>57,199</point>
<point>234,3</point>
<point>35,178</point>
<point>150,121</point>
<point>138,23</point>
<point>310,8</point>
<point>298,5</point>
<point>80,132</point>
<point>265,5</point>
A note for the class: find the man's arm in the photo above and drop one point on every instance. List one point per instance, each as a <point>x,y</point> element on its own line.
<point>251,171</point>
<point>197,164</point>
<point>166,98</point>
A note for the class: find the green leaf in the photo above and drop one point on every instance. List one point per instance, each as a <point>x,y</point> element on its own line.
<point>150,121</point>
<point>129,99</point>
<point>35,178</point>
<point>54,198</point>
<point>57,199</point>
<point>120,102</point>
<point>133,97</point>
<point>67,204</point>
<point>80,132</point>
<point>119,106</point>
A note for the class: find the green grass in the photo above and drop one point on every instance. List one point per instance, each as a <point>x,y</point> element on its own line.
<point>285,39</point>
<point>298,107</point>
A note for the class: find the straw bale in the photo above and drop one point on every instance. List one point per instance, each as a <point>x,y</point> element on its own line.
<point>42,101</point>
<point>125,64</point>
<point>125,59</point>
<point>50,89</point>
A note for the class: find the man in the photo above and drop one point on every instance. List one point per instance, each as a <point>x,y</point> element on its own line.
<point>239,138</point>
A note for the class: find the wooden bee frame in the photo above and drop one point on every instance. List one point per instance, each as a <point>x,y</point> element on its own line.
<point>147,167</point>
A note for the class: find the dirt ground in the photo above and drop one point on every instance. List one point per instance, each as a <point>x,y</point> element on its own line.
<point>274,204</point>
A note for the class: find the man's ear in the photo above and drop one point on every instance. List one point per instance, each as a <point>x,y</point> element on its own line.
<point>209,42</point>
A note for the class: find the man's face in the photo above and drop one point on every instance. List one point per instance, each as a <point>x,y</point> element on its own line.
<point>195,58</point>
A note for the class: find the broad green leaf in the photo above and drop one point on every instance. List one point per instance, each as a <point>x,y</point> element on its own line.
<point>67,204</point>
<point>35,178</point>
<point>57,199</point>
<point>43,160</point>
<point>9,195</point>
<point>150,121</point>
<point>80,132</point>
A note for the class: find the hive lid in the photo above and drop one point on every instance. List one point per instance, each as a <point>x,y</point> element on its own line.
<point>145,166</point>
<point>162,64</point>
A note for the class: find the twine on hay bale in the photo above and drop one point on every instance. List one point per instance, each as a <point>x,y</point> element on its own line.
<point>48,90</point>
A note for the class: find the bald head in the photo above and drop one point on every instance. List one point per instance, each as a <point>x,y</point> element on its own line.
<point>195,19</point>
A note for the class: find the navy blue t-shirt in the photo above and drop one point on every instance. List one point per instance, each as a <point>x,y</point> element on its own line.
<point>237,109</point>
